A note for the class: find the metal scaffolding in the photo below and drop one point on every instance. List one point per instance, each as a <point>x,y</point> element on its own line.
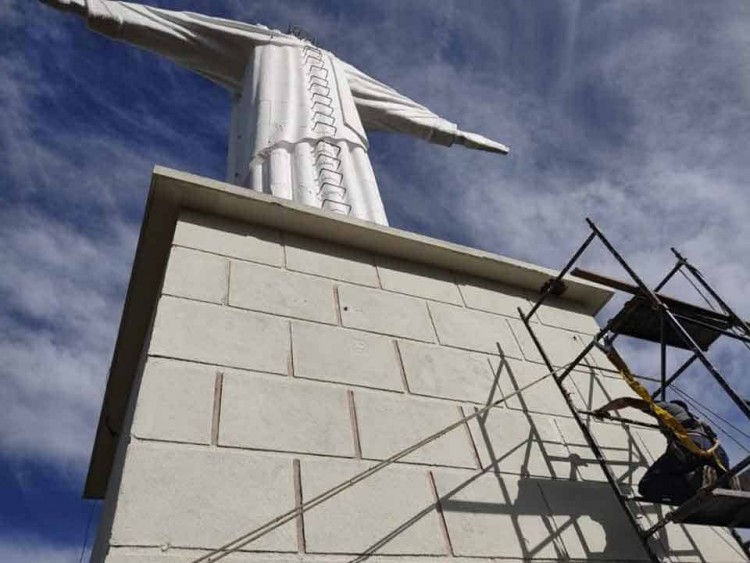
<point>668,322</point>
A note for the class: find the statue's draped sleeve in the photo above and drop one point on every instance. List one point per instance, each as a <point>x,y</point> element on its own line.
<point>213,47</point>
<point>382,108</point>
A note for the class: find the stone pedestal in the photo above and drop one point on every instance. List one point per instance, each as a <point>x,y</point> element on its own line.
<point>268,351</point>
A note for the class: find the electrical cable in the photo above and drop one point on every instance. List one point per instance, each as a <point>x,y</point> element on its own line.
<point>713,308</point>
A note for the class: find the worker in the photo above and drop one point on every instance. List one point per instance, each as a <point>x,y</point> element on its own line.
<point>678,473</point>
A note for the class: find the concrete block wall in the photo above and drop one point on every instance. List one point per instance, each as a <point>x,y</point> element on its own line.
<point>280,366</point>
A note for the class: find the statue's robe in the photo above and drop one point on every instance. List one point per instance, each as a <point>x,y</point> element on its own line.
<point>299,114</point>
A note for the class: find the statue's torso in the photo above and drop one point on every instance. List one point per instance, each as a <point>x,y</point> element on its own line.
<point>290,94</point>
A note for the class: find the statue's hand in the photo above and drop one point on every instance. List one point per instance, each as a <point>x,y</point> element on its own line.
<point>75,6</point>
<point>475,141</point>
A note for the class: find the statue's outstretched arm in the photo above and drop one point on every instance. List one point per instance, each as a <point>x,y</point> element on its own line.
<point>214,47</point>
<point>383,108</point>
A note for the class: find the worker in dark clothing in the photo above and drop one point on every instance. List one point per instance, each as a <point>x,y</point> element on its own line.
<point>678,473</point>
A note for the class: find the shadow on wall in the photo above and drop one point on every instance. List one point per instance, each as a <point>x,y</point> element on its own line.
<point>558,506</point>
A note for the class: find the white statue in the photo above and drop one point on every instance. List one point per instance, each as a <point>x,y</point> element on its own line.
<point>299,114</point>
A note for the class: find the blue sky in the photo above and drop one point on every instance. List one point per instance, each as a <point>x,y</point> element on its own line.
<point>634,113</point>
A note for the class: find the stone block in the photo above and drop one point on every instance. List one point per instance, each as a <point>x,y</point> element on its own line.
<point>567,315</point>
<point>175,402</point>
<point>391,512</point>
<point>229,238</point>
<point>281,292</point>
<point>591,390</point>
<point>268,413</point>
<point>495,297</point>
<point>542,397</point>
<point>191,496</point>
<point>387,313</point>
<point>219,335</point>
<point>591,524</point>
<point>626,455</point>
<point>330,261</point>
<point>345,356</point>
<point>390,423</point>
<point>473,330</point>
<point>519,443</point>
<point>561,346</point>
<point>492,515</point>
<point>448,373</point>
<point>196,275</point>
<point>418,280</point>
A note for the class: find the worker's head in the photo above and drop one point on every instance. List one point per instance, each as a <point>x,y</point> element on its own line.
<point>679,403</point>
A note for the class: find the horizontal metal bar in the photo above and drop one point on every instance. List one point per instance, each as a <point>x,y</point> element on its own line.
<point>624,420</point>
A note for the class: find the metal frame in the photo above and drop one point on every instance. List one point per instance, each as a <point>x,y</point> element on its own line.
<point>608,334</point>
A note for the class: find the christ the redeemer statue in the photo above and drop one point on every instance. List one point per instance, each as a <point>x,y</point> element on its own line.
<point>299,114</point>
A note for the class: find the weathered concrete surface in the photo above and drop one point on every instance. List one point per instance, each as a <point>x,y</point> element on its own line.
<point>418,280</point>
<point>543,397</point>
<point>496,515</point>
<point>591,524</point>
<point>473,330</point>
<point>561,346</point>
<point>213,334</point>
<point>197,275</point>
<point>345,356</point>
<point>390,423</point>
<point>392,512</point>
<point>495,298</point>
<point>626,454</point>
<point>212,455</point>
<point>386,313</point>
<point>329,260</point>
<point>279,292</point>
<point>593,387</point>
<point>557,313</point>
<point>520,443</point>
<point>272,413</point>
<point>190,496</point>
<point>437,371</point>
<point>229,238</point>
<point>151,555</point>
<point>175,402</point>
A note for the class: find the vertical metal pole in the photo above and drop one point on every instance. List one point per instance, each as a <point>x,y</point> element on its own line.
<point>727,309</point>
<point>663,335</point>
<point>564,271</point>
<point>676,374</point>
<point>590,440</point>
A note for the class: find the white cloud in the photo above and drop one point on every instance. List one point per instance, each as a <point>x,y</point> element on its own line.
<point>32,550</point>
<point>61,292</point>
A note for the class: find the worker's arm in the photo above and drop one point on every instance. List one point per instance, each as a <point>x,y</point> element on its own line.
<point>621,403</point>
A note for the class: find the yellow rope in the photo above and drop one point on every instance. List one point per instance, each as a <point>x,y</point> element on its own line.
<point>664,416</point>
